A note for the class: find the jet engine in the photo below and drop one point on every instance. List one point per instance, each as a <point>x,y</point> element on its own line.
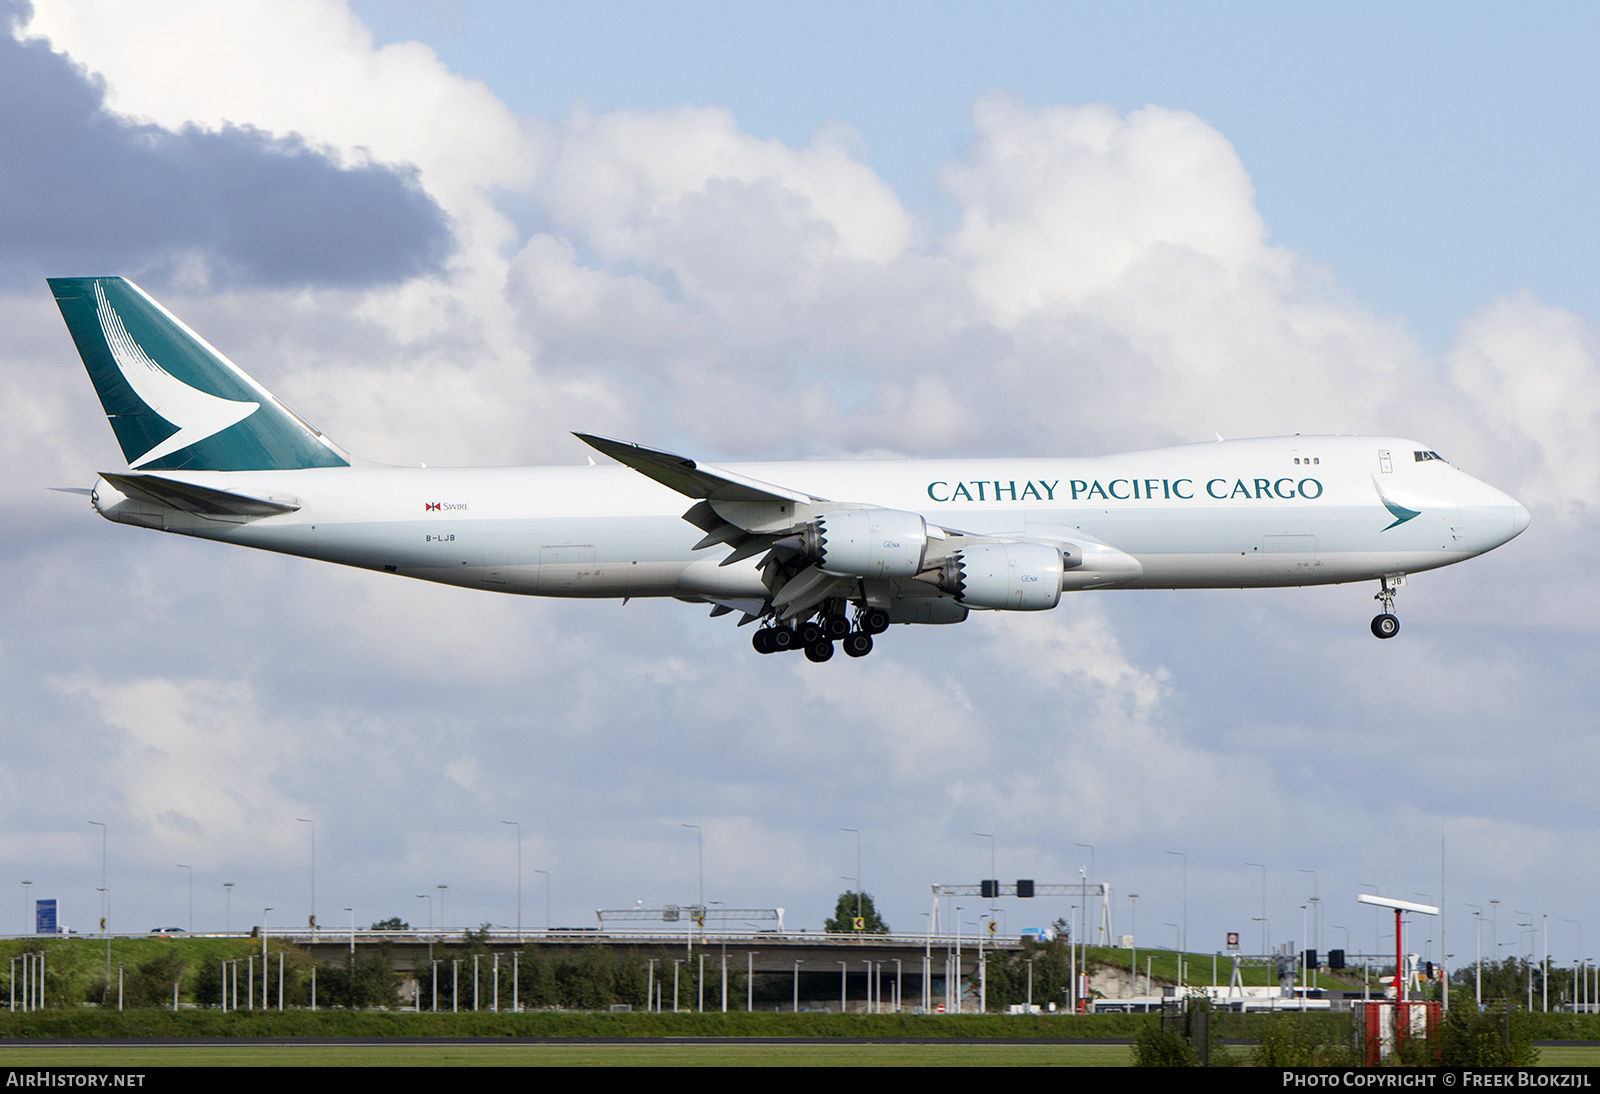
<point>1018,577</point>
<point>870,543</point>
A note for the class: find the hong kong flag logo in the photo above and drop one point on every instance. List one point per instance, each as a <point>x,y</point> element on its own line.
<point>431,506</point>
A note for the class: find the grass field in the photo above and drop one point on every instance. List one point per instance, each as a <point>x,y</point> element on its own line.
<point>1569,1056</point>
<point>490,1054</point>
<point>499,1054</point>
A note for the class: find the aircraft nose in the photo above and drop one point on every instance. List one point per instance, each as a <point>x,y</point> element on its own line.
<point>1519,519</point>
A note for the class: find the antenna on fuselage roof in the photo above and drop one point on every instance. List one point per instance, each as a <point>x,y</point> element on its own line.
<point>1219,438</point>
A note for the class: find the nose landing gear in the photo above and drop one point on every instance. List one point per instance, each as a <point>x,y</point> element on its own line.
<point>1386,624</point>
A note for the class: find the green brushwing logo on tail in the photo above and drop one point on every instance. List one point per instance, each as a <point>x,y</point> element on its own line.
<point>173,401</point>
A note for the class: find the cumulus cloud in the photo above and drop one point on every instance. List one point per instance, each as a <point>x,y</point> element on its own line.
<point>189,758</point>
<point>84,191</point>
<point>1533,373</point>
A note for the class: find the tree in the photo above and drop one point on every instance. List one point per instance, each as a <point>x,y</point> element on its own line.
<point>393,923</point>
<point>846,911</point>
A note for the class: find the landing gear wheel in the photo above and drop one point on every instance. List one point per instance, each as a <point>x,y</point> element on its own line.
<point>810,633</point>
<point>783,638</point>
<point>835,626</point>
<point>857,643</point>
<point>819,651</point>
<point>762,641</point>
<point>1386,624</point>
<point>874,621</point>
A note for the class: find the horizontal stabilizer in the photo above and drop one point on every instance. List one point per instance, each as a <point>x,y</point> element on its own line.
<point>202,501</point>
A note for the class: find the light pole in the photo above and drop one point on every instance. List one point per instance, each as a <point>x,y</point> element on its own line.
<point>1185,859</point>
<point>1133,937</point>
<point>311,920</point>
<point>435,1004</point>
<point>518,827</point>
<point>1532,933</point>
<point>1090,846</point>
<point>181,866</point>
<point>859,887</point>
<point>700,846</point>
<point>1477,994</point>
<point>1263,870</point>
<point>28,919</point>
<point>1316,913</point>
<point>1576,995</point>
<point>1427,943</point>
<point>442,927</point>
<point>264,912</point>
<point>1303,935</point>
<point>227,907</point>
<point>992,869</point>
<point>105,901</point>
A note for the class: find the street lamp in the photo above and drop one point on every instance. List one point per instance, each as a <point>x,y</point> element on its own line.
<point>311,921</point>
<point>181,866</point>
<point>1090,846</point>
<point>1316,910</point>
<point>1185,859</point>
<point>1266,933</point>
<point>992,868</point>
<point>518,827</point>
<point>1133,938</point>
<point>700,845</point>
<point>1477,912</point>
<point>859,887</point>
<point>264,912</point>
<point>227,907</point>
<point>105,901</point>
<point>1263,870</point>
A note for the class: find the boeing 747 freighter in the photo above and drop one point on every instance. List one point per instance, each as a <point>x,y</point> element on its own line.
<point>820,554</point>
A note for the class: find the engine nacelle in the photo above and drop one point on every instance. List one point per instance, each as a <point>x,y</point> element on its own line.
<point>1017,577</point>
<point>871,543</point>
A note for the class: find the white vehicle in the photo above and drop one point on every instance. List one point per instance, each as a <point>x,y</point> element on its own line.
<point>820,553</point>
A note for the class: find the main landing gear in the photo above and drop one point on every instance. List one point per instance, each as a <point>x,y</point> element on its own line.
<point>1386,624</point>
<point>817,636</point>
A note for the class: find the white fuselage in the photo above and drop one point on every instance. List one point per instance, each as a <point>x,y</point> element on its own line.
<point>1268,512</point>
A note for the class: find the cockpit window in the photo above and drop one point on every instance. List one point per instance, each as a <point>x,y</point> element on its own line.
<point>1424,456</point>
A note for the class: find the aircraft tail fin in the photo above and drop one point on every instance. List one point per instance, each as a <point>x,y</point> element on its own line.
<point>175,402</point>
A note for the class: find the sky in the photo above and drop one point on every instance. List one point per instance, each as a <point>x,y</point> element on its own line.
<point>455,233</point>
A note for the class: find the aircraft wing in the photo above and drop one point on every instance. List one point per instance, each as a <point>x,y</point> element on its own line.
<point>786,526</point>
<point>689,478</point>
